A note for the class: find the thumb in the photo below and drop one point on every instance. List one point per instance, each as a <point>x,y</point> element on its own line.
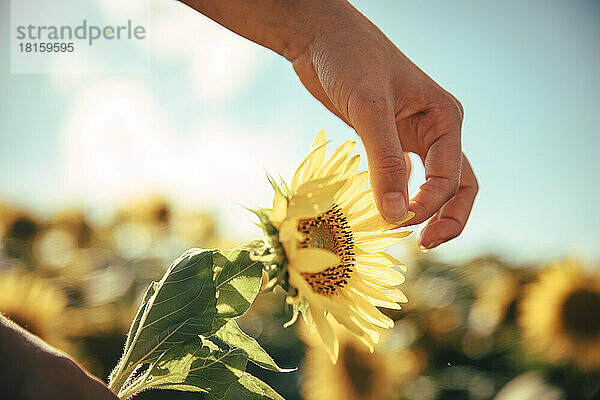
<point>376,127</point>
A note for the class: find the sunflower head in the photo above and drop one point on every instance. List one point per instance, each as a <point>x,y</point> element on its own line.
<point>75,221</point>
<point>358,374</point>
<point>327,238</point>
<point>154,210</point>
<point>559,315</point>
<point>35,304</point>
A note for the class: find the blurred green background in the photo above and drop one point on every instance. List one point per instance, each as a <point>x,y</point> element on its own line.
<point>105,178</point>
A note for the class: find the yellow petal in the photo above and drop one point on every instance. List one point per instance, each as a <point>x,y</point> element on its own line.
<point>308,319</point>
<point>345,321</point>
<point>356,184</point>
<point>314,203</point>
<point>371,330</point>
<point>374,223</point>
<point>312,260</point>
<point>386,304</point>
<point>351,166</point>
<point>368,310</point>
<point>314,185</point>
<point>376,303</point>
<point>360,201</point>
<point>297,179</point>
<point>376,259</point>
<point>381,292</point>
<point>377,242</point>
<point>279,208</point>
<point>319,139</point>
<point>344,310</point>
<point>317,156</point>
<point>327,334</point>
<point>299,176</point>
<point>289,236</point>
<point>337,159</point>
<point>368,211</point>
<point>390,292</point>
<point>385,274</point>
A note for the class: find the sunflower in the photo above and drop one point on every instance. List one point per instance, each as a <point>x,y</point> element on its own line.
<point>559,315</point>
<point>34,304</point>
<point>359,374</point>
<point>18,230</point>
<point>330,236</point>
<point>154,210</point>
<point>493,298</point>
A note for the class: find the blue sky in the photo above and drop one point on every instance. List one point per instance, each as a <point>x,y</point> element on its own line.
<point>216,111</point>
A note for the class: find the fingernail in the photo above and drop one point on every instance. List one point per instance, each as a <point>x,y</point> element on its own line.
<point>394,207</point>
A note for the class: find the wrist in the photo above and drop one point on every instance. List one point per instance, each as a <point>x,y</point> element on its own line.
<point>286,27</point>
<point>305,22</point>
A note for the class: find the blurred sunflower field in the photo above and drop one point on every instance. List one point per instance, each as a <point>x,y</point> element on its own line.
<point>484,329</point>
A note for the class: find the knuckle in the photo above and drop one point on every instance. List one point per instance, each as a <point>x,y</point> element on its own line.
<point>453,108</point>
<point>445,187</point>
<point>460,108</point>
<point>372,103</point>
<point>389,164</point>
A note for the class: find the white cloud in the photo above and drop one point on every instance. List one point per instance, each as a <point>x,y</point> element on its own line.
<point>220,64</point>
<point>120,142</point>
<point>217,63</point>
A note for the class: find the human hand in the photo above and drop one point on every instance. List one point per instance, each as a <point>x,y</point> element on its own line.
<point>363,78</point>
<point>31,369</point>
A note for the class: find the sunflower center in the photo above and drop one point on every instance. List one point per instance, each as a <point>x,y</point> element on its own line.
<point>329,231</point>
<point>580,313</point>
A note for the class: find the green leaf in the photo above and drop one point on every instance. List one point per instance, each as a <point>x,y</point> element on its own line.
<point>231,334</point>
<point>237,281</point>
<point>255,389</point>
<point>135,325</point>
<point>201,292</point>
<point>176,309</point>
<point>199,366</point>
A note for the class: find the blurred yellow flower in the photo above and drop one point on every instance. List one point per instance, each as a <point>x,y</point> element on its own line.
<point>560,315</point>
<point>55,248</point>
<point>493,299</point>
<point>333,237</point>
<point>34,304</point>
<point>17,225</point>
<point>74,221</point>
<point>154,210</point>
<point>359,374</point>
<point>18,229</point>
<point>197,228</point>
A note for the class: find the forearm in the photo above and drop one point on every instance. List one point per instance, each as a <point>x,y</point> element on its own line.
<point>32,369</point>
<point>17,349</point>
<point>284,26</point>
